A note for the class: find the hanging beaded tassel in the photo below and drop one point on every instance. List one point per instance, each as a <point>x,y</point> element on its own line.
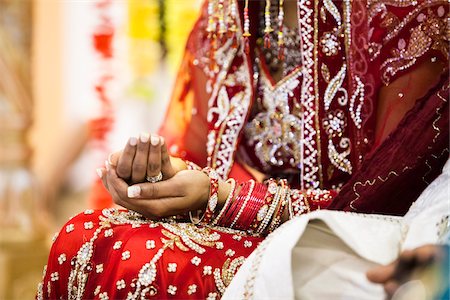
<point>222,24</point>
<point>211,29</point>
<point>268,28</point>
<point>246,34</point>
<point>232,12</point>
<point>280,31</point>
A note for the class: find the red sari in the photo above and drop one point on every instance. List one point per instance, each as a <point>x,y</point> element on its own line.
<point>119,254</point>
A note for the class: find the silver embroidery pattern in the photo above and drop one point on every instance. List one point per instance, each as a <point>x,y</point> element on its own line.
<point>222,139</point>
<point>276,132</point>
<point>309,153</point>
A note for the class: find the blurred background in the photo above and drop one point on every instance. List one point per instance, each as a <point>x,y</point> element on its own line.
<point>77,79</point>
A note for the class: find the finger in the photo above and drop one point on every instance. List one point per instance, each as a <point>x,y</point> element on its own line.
<point>107,182</point>
<point>381,274</point>
<point>390,287</point>
<point>139,168</point>
<point>428,254</point>
<point>158,208</point>
<point>157,190</point>
<point>113,158</point>
<point>407,262</point>
<point>154,157</point>
<point>119,190</point>
<point>101,172</point>
<point>125,161</point>
<point>166,166</point>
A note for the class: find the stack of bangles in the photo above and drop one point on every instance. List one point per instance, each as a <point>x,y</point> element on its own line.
<point>257,208</point>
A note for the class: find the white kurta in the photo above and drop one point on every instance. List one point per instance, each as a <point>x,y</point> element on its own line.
<point>327,253</point>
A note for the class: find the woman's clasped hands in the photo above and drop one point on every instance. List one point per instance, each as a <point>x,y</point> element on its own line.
<point>144,178</point>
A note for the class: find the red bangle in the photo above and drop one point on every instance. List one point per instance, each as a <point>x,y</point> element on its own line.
<point>244,203</point>
<point>212,199</point>
<point>255,202</point>
<point>227,202</point>
<point>213,194</point>
<point>264,208</point>
<point>231,213</point>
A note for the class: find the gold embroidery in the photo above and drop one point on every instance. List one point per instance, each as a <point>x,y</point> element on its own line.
<point>372,182</point>
<point>230,267</point>
<point>335,86</point>
<point>438,131</point>
<point>390,21</point>
<point>339,159</point>
<point>408,18</point>
<point>192,236</point>
<point>325,73</point>
<point>430,34</point>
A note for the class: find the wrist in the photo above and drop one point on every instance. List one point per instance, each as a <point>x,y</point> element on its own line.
<point>223,192</point>
<point>178,164</point>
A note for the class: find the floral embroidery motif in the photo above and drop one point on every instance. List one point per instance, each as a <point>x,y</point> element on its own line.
<point>172,267</point>
<point>429,34</point>
<point>207,270</point>
<point>230,252</point>
<point>330,44</point>
<point>126,255</point>
<point>150,244</point>
<point>196,260</point>
<point>120,284</point>
<point>62,258</point>
<point>334,123</point>
<point>172,289</point>
<point>88,225</point>
<point>70,228</point>
<point>54,276</point>
<point>192,289</point>
<point>247,244</point>
<point>117,245</point>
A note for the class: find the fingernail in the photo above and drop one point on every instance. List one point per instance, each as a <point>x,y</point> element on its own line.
<point>154,140</point>
<point>107,165</point>
<point>133,141</point>
<point>110,159</point>
<point>144,137</point>
<point>99,173</point>
<point>162,141</point>
<point>133,191</point>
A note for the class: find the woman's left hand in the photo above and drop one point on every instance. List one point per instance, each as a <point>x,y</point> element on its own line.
<point>187,190</point>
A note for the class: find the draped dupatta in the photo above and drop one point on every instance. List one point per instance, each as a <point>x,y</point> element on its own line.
<point>215,90</point>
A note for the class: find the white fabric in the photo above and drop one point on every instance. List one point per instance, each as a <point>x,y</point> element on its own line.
<point>334,250</point>
<point>428,218</point>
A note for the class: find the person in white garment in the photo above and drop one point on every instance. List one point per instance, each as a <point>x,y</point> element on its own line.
<point>363,257</point>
